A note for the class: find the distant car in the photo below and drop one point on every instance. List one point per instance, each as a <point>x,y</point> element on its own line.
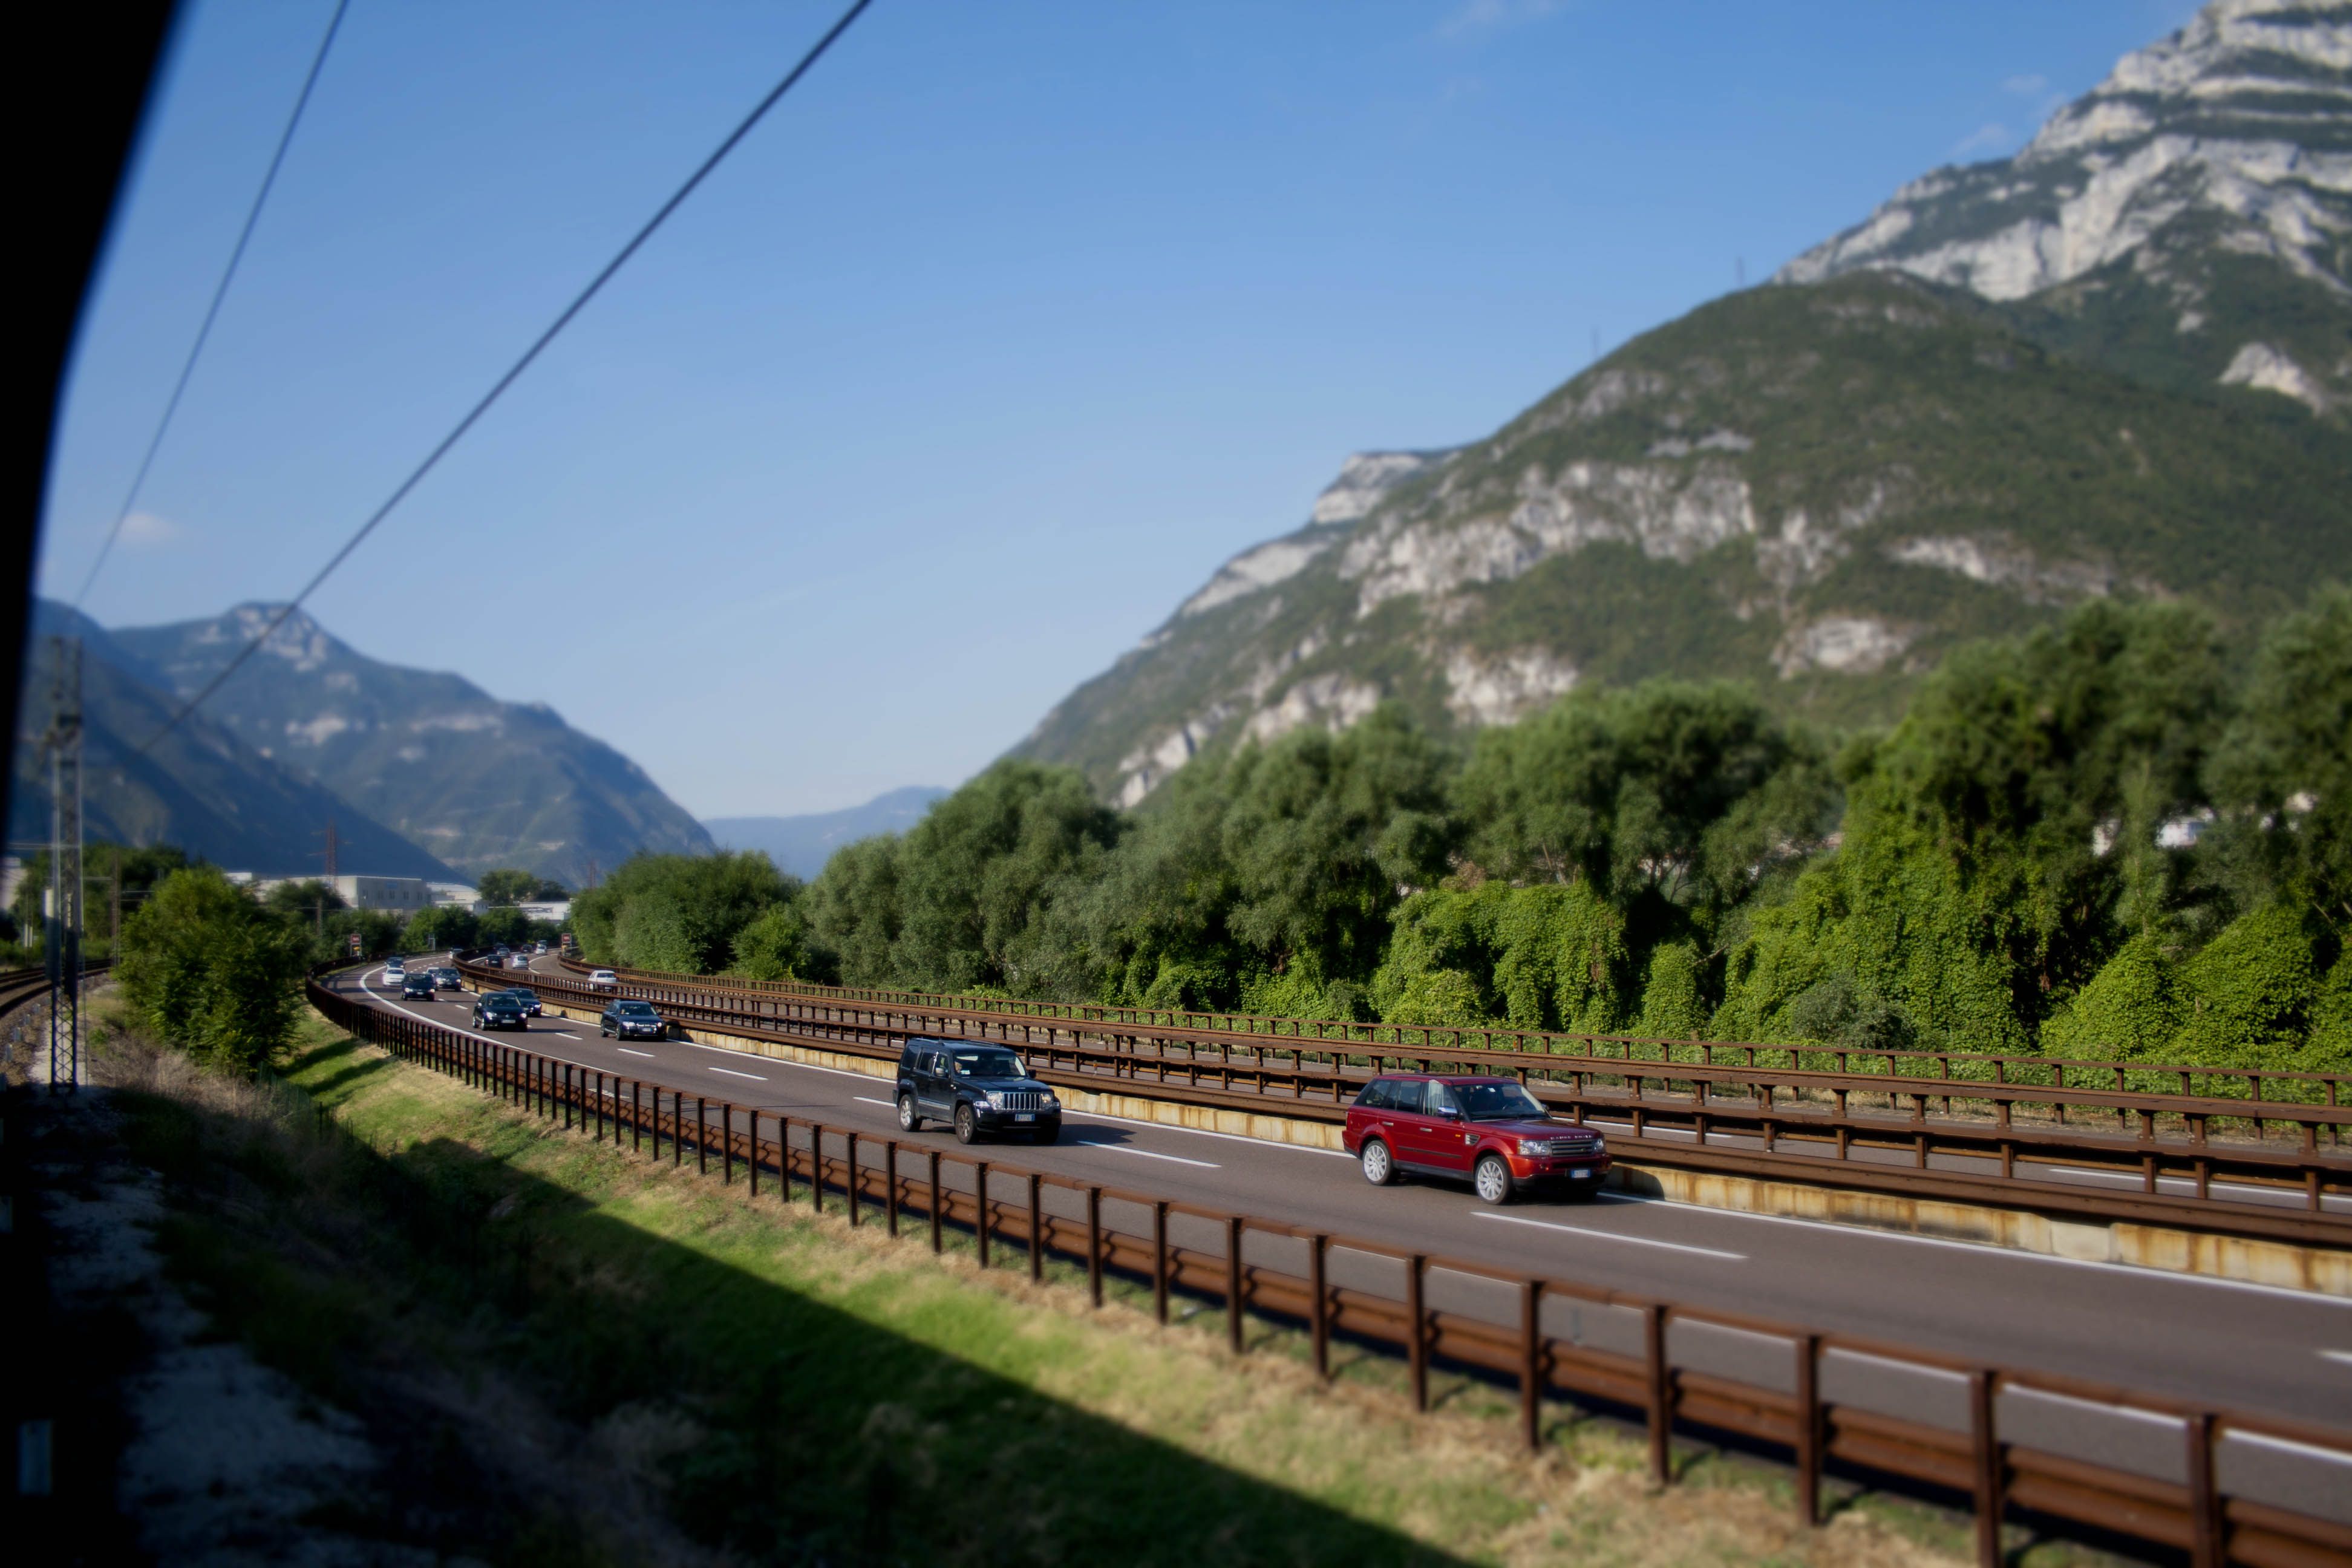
<point>395,972</point>
<point>448,979</point>
<point>499,1011</point>
<point>527,999</point>
<point>630,1020</point>
<point>602,978</point>
<point>417,983</point>
<point>518,960</point>
<point>541,947</point>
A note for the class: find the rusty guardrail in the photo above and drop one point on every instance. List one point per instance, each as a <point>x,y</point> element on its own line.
<point>1805,1126</point>
<point>1634,1050</point>
<point>2227,1496</point>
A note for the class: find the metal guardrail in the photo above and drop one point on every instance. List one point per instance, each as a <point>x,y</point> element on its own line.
<point>1808,1127</point>
<point>2229,1492</point>
<point>1634,1050</point>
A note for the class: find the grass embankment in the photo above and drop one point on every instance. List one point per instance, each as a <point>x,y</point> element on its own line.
<point>577,1355</point>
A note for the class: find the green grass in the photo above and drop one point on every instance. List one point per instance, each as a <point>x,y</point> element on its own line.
<point>782,1388</point>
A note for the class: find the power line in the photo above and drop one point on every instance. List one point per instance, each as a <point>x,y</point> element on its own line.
<point>580,302</point>
<point>220,293</point>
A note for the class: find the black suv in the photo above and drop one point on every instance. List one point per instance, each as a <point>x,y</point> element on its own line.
<point>979,1089</point>
<point>632,1020</point>
<point>499,1011</point>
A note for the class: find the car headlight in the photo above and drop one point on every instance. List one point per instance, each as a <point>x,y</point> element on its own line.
<point>1050,1103</point>
<point>994,1102</point>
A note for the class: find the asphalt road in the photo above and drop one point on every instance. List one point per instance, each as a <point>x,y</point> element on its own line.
<point>2252,1348</point>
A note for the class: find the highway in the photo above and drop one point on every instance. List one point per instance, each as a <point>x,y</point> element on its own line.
<point>2253,1348</point>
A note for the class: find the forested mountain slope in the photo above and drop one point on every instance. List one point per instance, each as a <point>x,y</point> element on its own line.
<point>477,782</point>
<point>202,788</point>
<point>2108,367</point>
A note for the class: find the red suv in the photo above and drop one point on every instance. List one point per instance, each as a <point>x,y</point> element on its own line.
<point>1490,1130</point>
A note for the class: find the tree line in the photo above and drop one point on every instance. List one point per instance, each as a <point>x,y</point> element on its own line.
<point>2113,837</point>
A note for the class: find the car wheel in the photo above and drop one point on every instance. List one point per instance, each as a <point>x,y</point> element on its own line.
<point>967,1125</point>
<point>1492,1179</point>
<point>1046,1135</point>
<point>909,1118</point>
<point>1380,1168</point>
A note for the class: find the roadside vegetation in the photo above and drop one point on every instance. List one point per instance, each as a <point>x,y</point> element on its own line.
<point>563,1353</point>
<point>2114,837</point>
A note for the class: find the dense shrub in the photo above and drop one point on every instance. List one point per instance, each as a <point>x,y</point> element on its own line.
<point>211,971</point>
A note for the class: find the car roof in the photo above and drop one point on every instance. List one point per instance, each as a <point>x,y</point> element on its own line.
<point>1451,1077</point>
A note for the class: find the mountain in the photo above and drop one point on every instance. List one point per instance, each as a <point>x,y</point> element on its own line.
<point>479,782</point>
<point>1909,439</point>
<point>2188,222</point>
<point>201,787</point>
<point>802,844</point>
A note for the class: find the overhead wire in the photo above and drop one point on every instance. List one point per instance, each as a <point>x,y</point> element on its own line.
<point>515,371</point>
<point>212,312</point>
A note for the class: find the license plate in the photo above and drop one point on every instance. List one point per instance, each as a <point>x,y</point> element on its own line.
<point>1579,1175</point>
<point>1025,1116</point>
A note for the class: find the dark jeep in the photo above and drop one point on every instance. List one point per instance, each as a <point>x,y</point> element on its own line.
<point>979,1089</point>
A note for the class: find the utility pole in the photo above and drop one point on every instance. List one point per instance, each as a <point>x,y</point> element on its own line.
<point>61,935</point>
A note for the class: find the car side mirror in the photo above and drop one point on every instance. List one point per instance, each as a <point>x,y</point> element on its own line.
<point>1450,1113</point>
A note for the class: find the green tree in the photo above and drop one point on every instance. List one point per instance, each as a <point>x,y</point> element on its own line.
<point>440,926</point>
<point>980,868</point>
<point>774,946</point>
<point>2286,773</point>
<point>1992,838</point>
<point>854,911</point>
<point>510,886</point>
<point>211,971</point>
<point>1326,834</point>
<point>674,912</point>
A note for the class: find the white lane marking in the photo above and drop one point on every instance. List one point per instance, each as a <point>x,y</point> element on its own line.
<point>2190,1184</point>
<point>1199,1133</point>
<point>731,1072</point>
<point>2287,1445</point>
<point>1865,1233</point>
<point>625,1051</point>
<point>867,1100</point>
<point>1612,1236</point>
<point>2344,1356</point>
<point>1910,1366</point>
<point>1149,1154</point>
<point>2129,1412</point>
<point>562,1036</point>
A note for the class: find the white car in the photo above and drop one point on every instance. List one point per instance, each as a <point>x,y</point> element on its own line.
<point>602,978</point>
<point>396,972</point>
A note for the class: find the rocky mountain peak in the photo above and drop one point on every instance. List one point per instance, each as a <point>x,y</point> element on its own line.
<point>2209,176</point>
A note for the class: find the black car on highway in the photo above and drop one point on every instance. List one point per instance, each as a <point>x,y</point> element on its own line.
<point>977,1089</point>
<point>499,1011</point>
<point>417,983</point>
<point>527,999</point>
<point>632,1019</point>
<point>448,979</point>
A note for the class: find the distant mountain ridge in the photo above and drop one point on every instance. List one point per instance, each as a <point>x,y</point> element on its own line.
<point>199,787</point>
<point>800,845</point>
<point>474,780</point>
<point>2117,364</point>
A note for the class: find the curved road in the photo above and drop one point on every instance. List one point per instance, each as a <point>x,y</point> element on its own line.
<point>2252,1348</point>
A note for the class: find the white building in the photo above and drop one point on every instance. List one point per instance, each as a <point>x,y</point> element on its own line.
<point>393,895</point>
<point>557,912</point>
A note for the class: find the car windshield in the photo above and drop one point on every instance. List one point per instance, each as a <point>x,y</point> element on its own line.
<point>987,1064</point>
<point>1497,1102</point>
<point>633,1009</point>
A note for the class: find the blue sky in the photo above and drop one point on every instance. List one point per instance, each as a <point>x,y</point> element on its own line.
<point>1003,331</point>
